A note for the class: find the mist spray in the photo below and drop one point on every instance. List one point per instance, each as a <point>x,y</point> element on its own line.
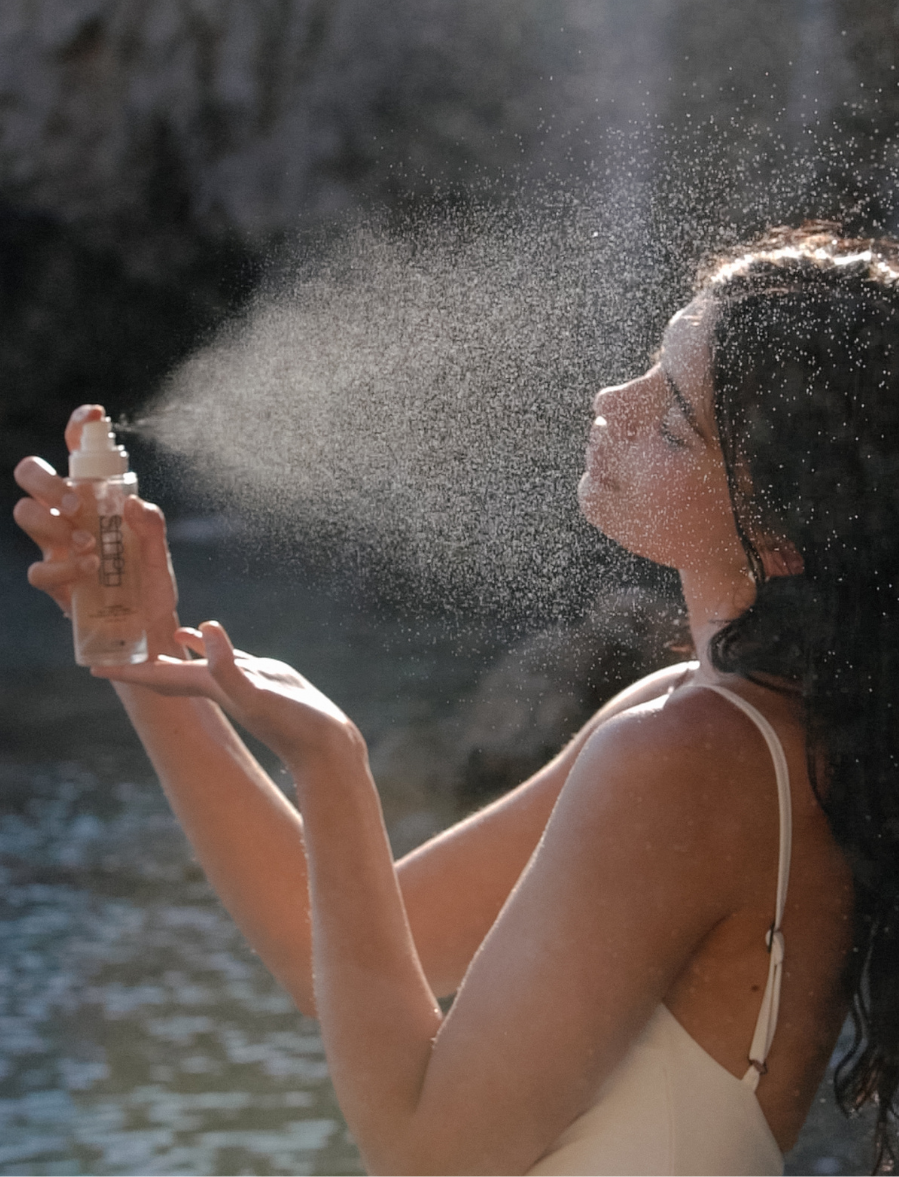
<point>107,617</point>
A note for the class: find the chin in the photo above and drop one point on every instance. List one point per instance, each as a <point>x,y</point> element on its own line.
<point>589,497</point>
<point>596,497</point>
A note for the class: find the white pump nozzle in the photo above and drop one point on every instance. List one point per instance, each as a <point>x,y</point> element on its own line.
<point>98,456</point>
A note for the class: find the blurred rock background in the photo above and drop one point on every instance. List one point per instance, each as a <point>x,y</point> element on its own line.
<point>153,153</point>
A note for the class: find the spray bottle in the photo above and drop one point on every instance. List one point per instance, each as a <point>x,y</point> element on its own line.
<point>107,618</point>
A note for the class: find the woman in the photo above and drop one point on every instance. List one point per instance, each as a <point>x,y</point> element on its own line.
<point>638,989</point>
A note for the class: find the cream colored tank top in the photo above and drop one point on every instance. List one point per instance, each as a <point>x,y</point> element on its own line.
<point>669,1107</point>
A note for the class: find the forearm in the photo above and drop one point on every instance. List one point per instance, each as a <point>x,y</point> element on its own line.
<point>247,836</point>
<point>455,885</point>
<point>378,1014</point>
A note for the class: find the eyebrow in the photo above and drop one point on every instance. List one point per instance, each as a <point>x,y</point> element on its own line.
<point>682,403</point>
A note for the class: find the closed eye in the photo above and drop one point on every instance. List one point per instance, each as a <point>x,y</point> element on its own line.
<point>671,438</point>
<point>682,404</point>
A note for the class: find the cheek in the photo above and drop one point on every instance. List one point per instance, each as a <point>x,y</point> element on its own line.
<point>671,509</point>
<point>701,521</point>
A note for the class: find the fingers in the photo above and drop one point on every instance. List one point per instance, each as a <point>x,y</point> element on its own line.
<point>57,578</point>
<point>77,420</point>
<point>167,676</point>
<point>222,665</point>
<point>50,517</point>
<point>211,642</point>
<point>191,639</point>
<point>68,555</point>
<point>53,575</point>
<point>184,677</point>
<point>38,479</point>
<point>194,641</point>
<point>48,529</point>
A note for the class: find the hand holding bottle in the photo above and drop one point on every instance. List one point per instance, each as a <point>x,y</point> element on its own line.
<point>54,516</point>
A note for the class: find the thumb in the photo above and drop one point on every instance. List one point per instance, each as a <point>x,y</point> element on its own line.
<point>158,586</point>
<point>148,524</point>
<point>222,665</point>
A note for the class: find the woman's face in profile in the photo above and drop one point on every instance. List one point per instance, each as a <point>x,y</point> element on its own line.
<point>655,479</point>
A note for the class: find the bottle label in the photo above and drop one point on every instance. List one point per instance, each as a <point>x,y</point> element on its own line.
<point>112,613</point>
<point>112,551</point>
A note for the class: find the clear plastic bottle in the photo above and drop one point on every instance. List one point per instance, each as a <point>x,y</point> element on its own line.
<point>107,617</point>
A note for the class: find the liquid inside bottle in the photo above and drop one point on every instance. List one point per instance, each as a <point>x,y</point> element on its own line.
<point>107,616</point>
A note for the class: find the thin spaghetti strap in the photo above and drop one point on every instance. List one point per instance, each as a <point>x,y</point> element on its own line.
<point>767,1019</point>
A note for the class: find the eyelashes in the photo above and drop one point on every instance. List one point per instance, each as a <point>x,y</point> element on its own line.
<point>669,436</point>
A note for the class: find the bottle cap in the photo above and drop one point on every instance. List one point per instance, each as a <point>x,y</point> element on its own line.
<point>98,455</point>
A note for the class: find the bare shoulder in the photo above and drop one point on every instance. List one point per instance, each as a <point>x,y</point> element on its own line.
<point>652,686</point>
<point>654,724</point>
<point>684,765</point>
<point>655,686</point>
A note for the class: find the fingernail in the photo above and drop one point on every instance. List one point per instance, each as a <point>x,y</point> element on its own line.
<point>82,413</point>
<point>70,502</point>
<point>81,539</point>
<point>89,563</point>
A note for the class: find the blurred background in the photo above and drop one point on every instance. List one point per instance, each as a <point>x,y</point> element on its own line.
<point>198,199</point>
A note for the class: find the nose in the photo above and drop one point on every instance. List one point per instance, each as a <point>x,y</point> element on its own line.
<point>618,409</point>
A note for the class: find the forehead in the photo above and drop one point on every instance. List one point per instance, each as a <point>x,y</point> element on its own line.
<point>687,356</point>
<point>688,336</point>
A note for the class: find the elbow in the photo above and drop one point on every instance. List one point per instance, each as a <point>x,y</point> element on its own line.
<point>298,988</point>
<point>305,1004</point>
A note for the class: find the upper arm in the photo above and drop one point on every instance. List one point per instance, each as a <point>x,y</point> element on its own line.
<point>628,878</point>
<point>455,885</point>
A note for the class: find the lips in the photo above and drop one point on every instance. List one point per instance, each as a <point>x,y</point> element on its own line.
<point>594,463</point>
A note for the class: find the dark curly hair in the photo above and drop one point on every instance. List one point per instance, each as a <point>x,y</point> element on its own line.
<point>805,366</point>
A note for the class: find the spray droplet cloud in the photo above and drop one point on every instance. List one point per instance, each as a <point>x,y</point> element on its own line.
<point>426,397</point>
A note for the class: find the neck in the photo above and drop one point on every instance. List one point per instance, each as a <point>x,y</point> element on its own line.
<point>712,602</point>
